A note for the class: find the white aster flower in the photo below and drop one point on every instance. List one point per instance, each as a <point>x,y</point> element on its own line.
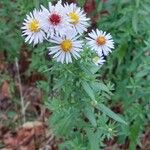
<point>98,61</point>
<point>67,47</point>
<point>77,17</point>
<point>32,28</point>
<point>100,42</point>
<point>54,19</point>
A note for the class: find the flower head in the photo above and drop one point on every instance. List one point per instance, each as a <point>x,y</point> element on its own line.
<point>32,28</point>
<point>54,19</point>
<point>77,17</point>
<point>67,47</point>
<point>100,42</point>
<point>98,60</point>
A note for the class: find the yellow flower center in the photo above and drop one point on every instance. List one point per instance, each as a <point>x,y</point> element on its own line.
<point>34,26</point>
<point>74,17</point>
<point>96,59</point>
<point>66,45</point>
<point>101,40</point>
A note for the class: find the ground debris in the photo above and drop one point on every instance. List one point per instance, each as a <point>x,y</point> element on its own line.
<point>30,136</point>
<point>4,95</point>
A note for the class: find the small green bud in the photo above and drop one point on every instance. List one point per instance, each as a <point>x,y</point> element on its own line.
<point>94,103</point>
<point>110,129</point>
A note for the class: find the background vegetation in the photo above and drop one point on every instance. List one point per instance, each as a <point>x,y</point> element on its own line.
<point>124,80</point>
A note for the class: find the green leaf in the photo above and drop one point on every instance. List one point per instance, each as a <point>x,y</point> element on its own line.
<point>59,83</point>
<point>135,22</point>
<point>88,90</point>
<point>93,68</point>
<point>99,6</point>
<point>110,113</point>
<point>85,69</point>
<point>37,3</point>
<point>103,87</point>
<point>134,132</point>
<point>122,51</point>
<point>93,140</point>
<point>137,3</point>
<point>11,114</point>
<point>89,113</point>
<point>81,3</point>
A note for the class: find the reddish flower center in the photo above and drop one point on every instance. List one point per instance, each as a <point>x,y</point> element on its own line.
<point>55,19</point>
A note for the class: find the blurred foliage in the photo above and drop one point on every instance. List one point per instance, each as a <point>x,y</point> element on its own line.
<point>129,67</point>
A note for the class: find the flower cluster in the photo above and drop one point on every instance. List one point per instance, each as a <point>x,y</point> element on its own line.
<point>63,26</point>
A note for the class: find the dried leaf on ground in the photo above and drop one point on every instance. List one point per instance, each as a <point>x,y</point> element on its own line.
<point>4,95</point>
<point>5,90</point>
<point>28,137</point>
<point>2,61</point>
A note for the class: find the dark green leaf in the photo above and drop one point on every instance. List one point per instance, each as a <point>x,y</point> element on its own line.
<point>110,113</point>
<point>88,90</point>
<point>89,113</point>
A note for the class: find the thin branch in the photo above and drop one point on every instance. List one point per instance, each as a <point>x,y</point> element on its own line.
<point>23,110</point>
